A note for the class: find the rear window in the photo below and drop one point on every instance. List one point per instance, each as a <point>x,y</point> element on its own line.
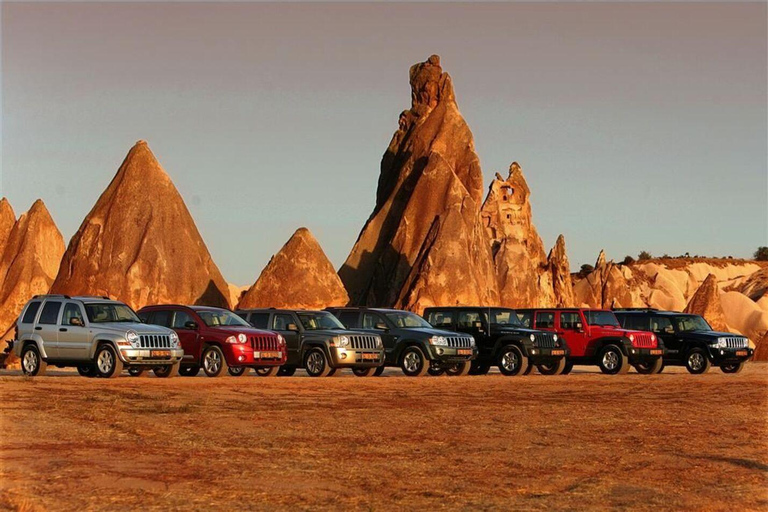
<point>348,318</point>
<point>161,318</point>
<point>440,318</point>
<point>29,314</point>
<point>545,320</point>
<point>259,320</point>
<point>524,318</point>
<point>50,314</point>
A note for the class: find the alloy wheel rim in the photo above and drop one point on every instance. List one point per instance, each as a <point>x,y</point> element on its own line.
<point>105,361</point>
<point>696,361</point>
<point>315,362</point>
<point>30,361</point>
<point>510,361</point>
<point>610,360</point>
<point>412,362</point>
<point>212,362</point>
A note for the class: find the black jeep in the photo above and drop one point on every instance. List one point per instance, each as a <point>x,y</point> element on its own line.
<point>689,340</point>
<point>411,343</point>
<point>501,340</point>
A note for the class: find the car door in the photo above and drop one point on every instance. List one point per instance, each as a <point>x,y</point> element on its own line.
<point>48,327</point>
<point>372,322</point>
<point>189,337</point>
<point>473,322</point>
<point>571,328</point>
<point>74,340</point>
<point>663,328</point>
<point>280,323</point>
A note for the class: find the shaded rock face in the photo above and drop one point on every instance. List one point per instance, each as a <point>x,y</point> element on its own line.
<point>29,262</point>
<point>605,287</point>
<point>429,169</point>
<point>139,243</point>
<point>756,286</point>
<point>299,276</point>
<point>761,349</point>
<point>706,302</point>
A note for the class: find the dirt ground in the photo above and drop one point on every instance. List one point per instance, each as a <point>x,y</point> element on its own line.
<point>576,442</point>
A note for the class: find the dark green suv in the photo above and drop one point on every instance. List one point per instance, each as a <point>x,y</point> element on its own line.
<point>411,343</point>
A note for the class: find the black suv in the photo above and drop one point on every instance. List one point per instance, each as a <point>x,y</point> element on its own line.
<point>689,340</point>
<point>411,343</point>
<point>318,342</point>
<point>502,340</point>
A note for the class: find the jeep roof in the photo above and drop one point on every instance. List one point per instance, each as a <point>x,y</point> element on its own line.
<point>82,298</point>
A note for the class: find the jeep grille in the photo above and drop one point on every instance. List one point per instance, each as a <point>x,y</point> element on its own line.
<point>154,341</point>
<point>458,342</point>
<point>736,342</point>
<point>363,342</point>
<point>644,340</point>
<point>268,343</point>
<point>544,340</point>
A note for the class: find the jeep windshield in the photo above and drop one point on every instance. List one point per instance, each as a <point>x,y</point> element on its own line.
<point>406,320</point>
<point>220,318</point>
<point>505,317</point>
<point>106,313</point>
<point>319,321</point>
<point>691,323</point>
<point>601,319</point>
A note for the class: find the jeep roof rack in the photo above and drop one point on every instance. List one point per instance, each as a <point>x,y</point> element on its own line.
<point>46,295</point>
<point>635,309</point>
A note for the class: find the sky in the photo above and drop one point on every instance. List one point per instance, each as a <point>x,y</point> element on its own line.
<point>638,126</point>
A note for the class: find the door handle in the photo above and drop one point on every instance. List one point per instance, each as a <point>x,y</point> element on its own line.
<point>62,329</point>
<point>38,328</point>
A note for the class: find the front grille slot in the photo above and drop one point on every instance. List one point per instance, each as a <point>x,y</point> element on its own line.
<point>458,342</point>
<point>644,341</point>
<point>362,342</point>
<point>735,342</point>
<point>544,340</point>
<point>154,341</point>
<point>264,343</point>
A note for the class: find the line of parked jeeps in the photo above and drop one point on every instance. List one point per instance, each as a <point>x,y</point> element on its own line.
<point>102,337</point>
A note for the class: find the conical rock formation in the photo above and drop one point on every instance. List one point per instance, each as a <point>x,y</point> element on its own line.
<point>7,220</point>
<point>29,262</point>
<point>559,272</point>
<point>429,168</point>
<point>299,276</point>
<point>140,244</point>
<point>605,287</point>
<point>706,302</point>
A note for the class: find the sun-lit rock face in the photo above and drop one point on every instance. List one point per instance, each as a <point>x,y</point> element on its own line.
<point>429,169</point>
<point>706,302</point>
<point>298,276</point>
<point>606,287</point>
<point>7,220</point>
<point>29,262</point>
<point>139,243</point>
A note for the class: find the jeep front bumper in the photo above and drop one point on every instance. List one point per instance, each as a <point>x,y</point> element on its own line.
<point>137,356</point>
<point>450,355</point>
<point>721,356</point>
<point>356,358</point>
<point>538,355</point>
<point>644,355</point>
<point>244,355</point>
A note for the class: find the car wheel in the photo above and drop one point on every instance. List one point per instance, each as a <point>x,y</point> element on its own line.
<point>364,372</point>
<point>733,368</point>
<point>31,362</point>
<point>553,368</point>
<point>697,361</point>
<point>436,371</point>
<point>189,371</point>
<point>316,363</point>
<point>459,369</point>
<point>479,368</point>
<point>612,360</point>
<point>214,363</point>
<point>238,371</point>
<point>286,371</point>
<point>267,371</point>
<point>135,371</point>
<point>86,370</point>
<point>512,361</point>
<point>413,363</point>
<point>166,371</point>
<point>108,366</point>
<point>379,371</point>
<point>568,368</point>
<point>650,367</point>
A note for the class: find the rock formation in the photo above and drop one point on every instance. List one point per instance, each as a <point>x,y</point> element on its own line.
<point>559,273</point>
<point>706,302</point>
<point>299,276</point>
<point>7,220</point>
<point>606,287</point>
<point>29,262</point>
<point>761,349</point>
<point>140,244</point>
<point>756,286</point>
<point>430,179</point>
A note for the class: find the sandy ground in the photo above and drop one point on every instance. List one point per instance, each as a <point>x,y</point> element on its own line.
<point>583,441</point>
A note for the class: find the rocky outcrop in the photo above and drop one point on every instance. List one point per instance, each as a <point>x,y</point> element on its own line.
<point>761,349</point>
<point>29,262</point>
<point>7,220</point>
<point>706,302</point>
<point>559,274</point>
<point>430,178</point>
<point>298,276</point>
<point>606,287</point>
<point>139,243</point>
<point>756,285</point>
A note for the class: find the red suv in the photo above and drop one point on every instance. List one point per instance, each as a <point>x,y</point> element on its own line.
<point>218,341</point>
<point>595,337</point>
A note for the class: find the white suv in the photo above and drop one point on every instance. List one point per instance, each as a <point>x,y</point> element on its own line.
<point>97,335</point>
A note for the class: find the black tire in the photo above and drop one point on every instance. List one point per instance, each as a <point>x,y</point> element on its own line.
<point>612,360</point>
<point>436,371</point>
<point>479,368</point>
<point>696,361</point>
<point>86,370</point>
<point>413,363</point>
<point>135,371</point>
<point>31,362</point>
<point>108,365</point>
<point>238,371</point>
<point>512,361</point>
<point>286,371</point>
<point>189,370</point>
<point>364,372</point>
<point>316,364</point>
<point>379,371</point>
<point>267,371</point>
<point>459,369</point>
<point>166,371</point>
<point>214,362</point>
<point>553,368</point>
<point>650,367</point>
<point>332,372</point>
<point>568,368</point>
<point>733,368</point>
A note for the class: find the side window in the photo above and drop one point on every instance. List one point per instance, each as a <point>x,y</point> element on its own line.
<point>370,320</point>
<point>144,317</point>
<point>30,313</point>
<point>524,317</point>
<point>260,320</point>
<point>348,318</point>
<point>50,314</point>
<point>72,311</point>
<point>180,319</point>
<point>467,319</point>
<point>662,324</point>
<point>568,320</point>
<point>545,320</point>
<point>281,320</point>
<point>441,318</point>
<point>162,318</point>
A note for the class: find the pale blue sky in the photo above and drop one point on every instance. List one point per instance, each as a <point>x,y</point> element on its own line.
<point>638,126</point>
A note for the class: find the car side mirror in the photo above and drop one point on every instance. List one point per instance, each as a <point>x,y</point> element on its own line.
<point>381,326</point>
<point>192,326</point>
<point>292,327</point>
<point>579,326</point>
<point>669,330</point>
<point>76,321</point>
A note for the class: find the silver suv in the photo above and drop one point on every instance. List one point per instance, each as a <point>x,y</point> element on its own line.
<point>97,335</point>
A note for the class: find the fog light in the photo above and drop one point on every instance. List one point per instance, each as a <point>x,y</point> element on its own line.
<point>722,352</point>
<point>634,351</point>
<point>533,352</point>
<point>343,355</point>
<point>440,351</point>
<point>241,358</point>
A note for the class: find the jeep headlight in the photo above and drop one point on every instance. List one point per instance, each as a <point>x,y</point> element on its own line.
<point>174,339</point>
<point>242,338</point>
<point>438,340</point>
<point>532,337</point>
<point>379,343</point>
<point>341,341</point>
<point>471,341</point>
<point>280,340</point>
<point>133,338</point>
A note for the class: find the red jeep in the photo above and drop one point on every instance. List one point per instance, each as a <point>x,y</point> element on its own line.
<point>595,337</point>
<point>218,341</point>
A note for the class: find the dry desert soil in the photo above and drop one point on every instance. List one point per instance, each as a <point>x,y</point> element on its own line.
<point>580,442</point>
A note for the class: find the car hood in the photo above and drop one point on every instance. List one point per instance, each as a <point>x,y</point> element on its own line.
<point>122,327</point>
<point>516,330</point>
<point>234,330</point>
<point>711,334</point>
<point>337,332</point>
<point>430,331</point>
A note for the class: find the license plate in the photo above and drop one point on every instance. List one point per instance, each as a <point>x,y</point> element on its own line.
<point>159,353</point>
<point>656,352</point>
<point>465,351</point>
<point>741,352</point>
<point>558,352</point>
<point>370,356</point>
<point>268,355</point>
